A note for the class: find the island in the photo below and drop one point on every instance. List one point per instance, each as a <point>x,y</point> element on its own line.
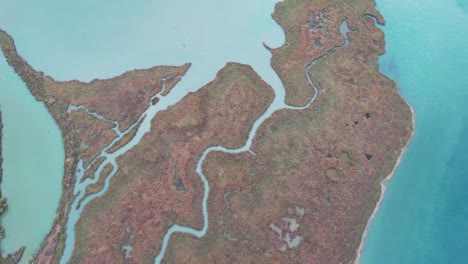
<point>236,185</point>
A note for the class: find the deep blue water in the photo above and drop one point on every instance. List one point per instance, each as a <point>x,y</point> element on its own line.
<point>424,216</point>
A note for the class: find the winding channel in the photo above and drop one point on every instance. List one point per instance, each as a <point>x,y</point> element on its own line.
<point>277,104</point>
<point>145,119</point>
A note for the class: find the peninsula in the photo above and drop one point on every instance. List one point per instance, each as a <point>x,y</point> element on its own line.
<point>16,256</point>
<point>295,186</point>
<point>307,193</point>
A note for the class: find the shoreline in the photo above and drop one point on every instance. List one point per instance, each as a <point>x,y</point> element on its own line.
<point>34,82</point>
<point>1,157</point>
<point>383,187</point>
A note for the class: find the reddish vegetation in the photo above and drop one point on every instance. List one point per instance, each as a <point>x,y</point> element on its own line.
<point>94,188</point>
<point>226,172</point>
<point>123,99</point>
<point>326,160</point>
<point>356,128</point>
<point>311,29</point>
<point>303,32</point>
<point>49,250</point>
<point>13,258</point>
<point>95,133</point>
<point>142,195</point>
<point>122,142</point>
<point>90,173</point>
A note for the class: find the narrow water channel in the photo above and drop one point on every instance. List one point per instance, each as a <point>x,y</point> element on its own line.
<point>92,58</point>
<point>277,104</point>
<point>86,39</point>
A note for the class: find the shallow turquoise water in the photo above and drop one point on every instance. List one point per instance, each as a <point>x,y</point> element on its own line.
<point>33,165</point>
<point>99,39</point>
<point>424,217</point>
<point>88,39</point>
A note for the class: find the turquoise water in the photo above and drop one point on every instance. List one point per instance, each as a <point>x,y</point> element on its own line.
<point>33,165</point>
<point>424,216</point>
<point>99,39</point>
<point>422,219</point>
<point>463,4</point>
<point>88,39</point>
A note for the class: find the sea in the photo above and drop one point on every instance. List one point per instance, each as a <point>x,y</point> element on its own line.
<point>423,218</point>
<point>424,215</point>
<point>88,39</point>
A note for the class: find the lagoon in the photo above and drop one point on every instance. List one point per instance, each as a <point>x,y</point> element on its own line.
<point>423,217</point>
<point>86,39</point>
<point>32,167</point>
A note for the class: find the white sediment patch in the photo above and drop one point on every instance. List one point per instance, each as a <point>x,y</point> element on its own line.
<point>277,230</point>
<point>127,249</point>
<point>292,223</point>
<point>300,211</point>
<point>292,242</point>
